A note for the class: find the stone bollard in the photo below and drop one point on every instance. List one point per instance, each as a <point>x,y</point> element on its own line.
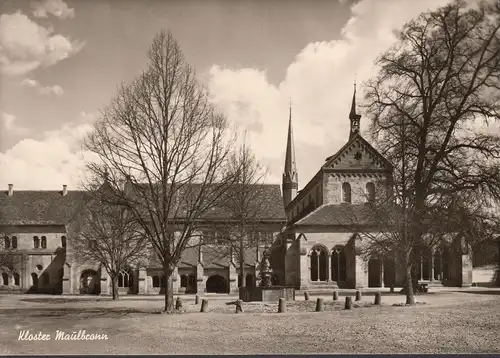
<point>197,300</point>
<point>306,296</point>
<point>335,295</point>
<point>204,305</point>
<point>239,306</point>
<point>281,305</point>
<point>178,303</point>
<point>319,305</point>
<point>358,295</point>
<point>348,303</point>
<point>378,298</point>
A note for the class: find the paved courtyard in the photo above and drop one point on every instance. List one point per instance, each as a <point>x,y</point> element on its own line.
<point>446,322</point>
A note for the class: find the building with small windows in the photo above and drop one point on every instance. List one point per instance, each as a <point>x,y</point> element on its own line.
<point>39,227</point>
<point>321,244</point>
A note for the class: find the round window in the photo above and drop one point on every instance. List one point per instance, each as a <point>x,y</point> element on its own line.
<point>39,267</point>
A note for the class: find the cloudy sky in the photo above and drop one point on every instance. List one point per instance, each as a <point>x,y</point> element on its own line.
<point>60,62</point>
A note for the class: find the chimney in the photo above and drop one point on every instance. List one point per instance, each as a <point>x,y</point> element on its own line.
<point>65,190</point>
<point>11,189</point>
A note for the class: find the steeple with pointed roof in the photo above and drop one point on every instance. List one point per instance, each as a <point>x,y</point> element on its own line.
<point>290,175</point>
<point>354,117</point>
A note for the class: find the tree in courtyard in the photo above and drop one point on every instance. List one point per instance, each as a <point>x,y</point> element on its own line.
<point>435,92</point>
<point>242,207</point>
<point>109,235</point>
<point>164,143</point>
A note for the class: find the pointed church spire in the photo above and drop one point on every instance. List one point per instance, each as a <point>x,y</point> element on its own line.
<point>290,176</point>
<point>353,116</point>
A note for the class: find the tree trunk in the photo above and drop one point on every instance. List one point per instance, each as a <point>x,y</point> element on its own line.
<point>169,290</point>
<point>114,286</point>
<point>410,295</point>
<point>242,264</point>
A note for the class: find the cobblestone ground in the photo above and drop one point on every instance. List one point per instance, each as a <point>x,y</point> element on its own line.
<point>445,322</point>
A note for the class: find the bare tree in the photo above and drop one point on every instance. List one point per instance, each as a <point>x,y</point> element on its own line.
<point>243,205</point>
<point>433,90</point>
<point>163,141</point>
<point>110,236</point>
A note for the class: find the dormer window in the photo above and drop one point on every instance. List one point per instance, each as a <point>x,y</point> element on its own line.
<point>346,193</point>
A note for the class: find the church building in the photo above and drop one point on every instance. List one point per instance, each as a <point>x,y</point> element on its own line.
<point>323,248</point>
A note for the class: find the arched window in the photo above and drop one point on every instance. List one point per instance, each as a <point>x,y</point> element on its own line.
<point>7,242</point>
<point>34,279</point>
<point>338,264</point>
<point>5,279</point>
<point>124,278</point>
<point>44,242</point>
<point>156,281</point>
<point>370,192</point>
<point>36,242</point>
<point>184,281</point>
<point>14,242</point>
<point>16,279</point>
<point>346,193</point>
<point>63,242</point>
<point>319,270</point>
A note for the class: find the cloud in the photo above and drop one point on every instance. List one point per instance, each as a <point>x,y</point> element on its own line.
<point>48,163</point>
<point>57,8</point>
<point>9,126</point>
<point>320,84</point>
<point>44,90</point>
<point>26,45</point>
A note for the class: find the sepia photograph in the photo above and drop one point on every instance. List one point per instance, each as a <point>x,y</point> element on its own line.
<point>249,177</point>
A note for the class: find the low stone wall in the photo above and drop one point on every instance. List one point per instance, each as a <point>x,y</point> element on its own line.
<point>266,294</point>
<point>486,276</point>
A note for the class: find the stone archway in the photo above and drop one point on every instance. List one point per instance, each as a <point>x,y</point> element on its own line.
<point>217,284</point>
<point>89,282</point>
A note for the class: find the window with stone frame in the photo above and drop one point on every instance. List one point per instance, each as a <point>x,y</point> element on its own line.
<point>184,280</point>
<point>346,193</point>
<point>5,279</point>
<point>14,242</point>
<point>125,278</point>
<point>44,242</point>
<point>63,242</point>
<point>36,242</point>
<point>16,279</point>
<point>156,281</point>
<point>7,242</point>
<point>370,192</point>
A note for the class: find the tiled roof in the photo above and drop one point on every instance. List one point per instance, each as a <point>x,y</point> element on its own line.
<point>266,196</point>
<point>339,215</point>
<point>26,207</point>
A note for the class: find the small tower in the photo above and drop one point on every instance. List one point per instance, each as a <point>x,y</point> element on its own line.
<point>354,117</point>
<point>290,180</point>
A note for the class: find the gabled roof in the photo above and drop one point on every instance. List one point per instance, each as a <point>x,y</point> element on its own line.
<point>267,196</point>
<point>29,207</point>
<point>357,141</point>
